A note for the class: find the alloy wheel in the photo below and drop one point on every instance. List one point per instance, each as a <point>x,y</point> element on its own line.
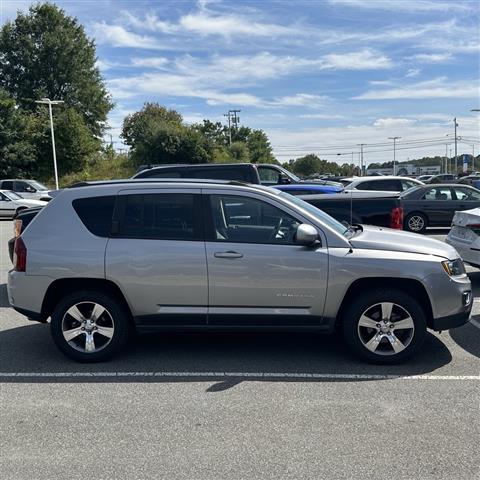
<point>88,327</point>
<point>386,328</point>
<point>416,223</point>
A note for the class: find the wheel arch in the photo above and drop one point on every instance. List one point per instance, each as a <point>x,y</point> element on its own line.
<point>413,287</point>
<point>62,287</point>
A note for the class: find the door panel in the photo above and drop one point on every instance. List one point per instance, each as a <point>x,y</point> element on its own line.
<point>157,257</point>
<point>257,275</point>
<point>266,280</point>
<point>439,206</point>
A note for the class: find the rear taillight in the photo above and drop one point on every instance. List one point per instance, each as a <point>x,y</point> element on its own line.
<point>19,256</point>
<point>396,218</point>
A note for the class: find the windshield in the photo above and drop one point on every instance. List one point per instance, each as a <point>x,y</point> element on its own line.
<point>12,196</point>
<point>37,186</point>
<point>410,190</point>
<point>317,213</point>
<point>289,174</point>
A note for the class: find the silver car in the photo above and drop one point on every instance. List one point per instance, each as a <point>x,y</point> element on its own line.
<point>11,203</point>
<point>153,255</point>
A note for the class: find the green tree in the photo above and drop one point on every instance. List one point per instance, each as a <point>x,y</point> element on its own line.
<point>259,147</point>
<point>158,135</point>
<point>17,153</point>
<point>45,53</point>
<point>239,152</point>
<point>307,165</point>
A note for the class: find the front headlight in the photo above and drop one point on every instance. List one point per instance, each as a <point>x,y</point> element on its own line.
<point>454,267</point>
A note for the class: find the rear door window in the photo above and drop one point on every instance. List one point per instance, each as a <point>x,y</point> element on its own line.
<point>467,194</point>
<point>163,216</point>
<point>96,214</point>
<point>381,185</point>
<point>438,193</point>
<point>162,174</point>
<point>7,185</point>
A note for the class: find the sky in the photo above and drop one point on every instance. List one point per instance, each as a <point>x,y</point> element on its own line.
<point>318,76</point>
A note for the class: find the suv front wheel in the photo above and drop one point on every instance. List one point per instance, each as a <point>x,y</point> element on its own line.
<point>89,326</point>
<point>384,326</point>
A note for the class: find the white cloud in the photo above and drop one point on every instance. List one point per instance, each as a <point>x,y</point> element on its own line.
<point>405,5</point>
<point>149,62</point>
<point>150,22</point>
<point>366,59</point>
<point>118,36</point>
<point>392,122</point>
<point>412,72</point>
<point>204,23</point>
<point>300,100</point>
<point>436,88</point>
<point>321,116</point>
<point>432,57</point>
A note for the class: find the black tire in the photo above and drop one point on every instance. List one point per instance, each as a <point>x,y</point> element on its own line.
<point>356,336</point>
<point>115,316</point>
<point>416,222</point>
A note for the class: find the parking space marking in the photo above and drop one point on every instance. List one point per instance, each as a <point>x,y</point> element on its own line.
<point>268,375</point>
<point>475,323</point>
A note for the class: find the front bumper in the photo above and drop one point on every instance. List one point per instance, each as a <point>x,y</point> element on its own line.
<point>452,321</point>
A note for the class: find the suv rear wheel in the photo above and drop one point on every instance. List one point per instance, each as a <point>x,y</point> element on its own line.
<point>89,326</point>
<point>384,326</point>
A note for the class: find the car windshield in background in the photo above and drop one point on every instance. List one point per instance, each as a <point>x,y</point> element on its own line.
<point>12,196</point>
<point>289,174</point>
<point>410,190</point>
<point>317,213</point>
<point>38,185</point>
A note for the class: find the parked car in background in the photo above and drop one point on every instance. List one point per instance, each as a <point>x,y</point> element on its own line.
<point>377,208</point>
<point>424,178</point>
<point>28,189</point>
<point>310,189</point>
<point>464,235</point>
<point>11,203</point>
<point>443,178</point>
<point>472,180</point>
<point>264,174</point>
<point>205,254</point>
<point>435,205</point>
<point>382,183</point>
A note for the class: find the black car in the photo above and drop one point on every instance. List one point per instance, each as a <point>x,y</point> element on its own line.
<point>435,205</point>
<point>257,173</point>
<point>442,178</point>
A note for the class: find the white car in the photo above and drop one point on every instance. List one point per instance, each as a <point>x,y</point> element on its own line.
<point>11,203</point>
<point>464,235</point>
<point>30,189</point>
<point>382,183</point>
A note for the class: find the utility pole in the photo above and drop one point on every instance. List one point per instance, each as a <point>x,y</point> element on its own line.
<point>228,115</point>
<point>233,121</point>
<point>456,156</point>
<point>394,144</point>
<point>361,145</point>
<point>47,101</point>
<point>446,158</point>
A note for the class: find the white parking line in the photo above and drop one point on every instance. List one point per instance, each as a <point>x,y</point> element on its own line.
<point>268,375</point>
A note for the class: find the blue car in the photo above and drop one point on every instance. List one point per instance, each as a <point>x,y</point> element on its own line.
<point>309,188</point>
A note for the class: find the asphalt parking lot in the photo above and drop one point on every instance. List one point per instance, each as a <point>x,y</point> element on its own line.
<point>236,406</point>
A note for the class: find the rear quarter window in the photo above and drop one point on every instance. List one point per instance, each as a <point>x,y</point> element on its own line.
<point>96,214</point>
<point>222,173</point>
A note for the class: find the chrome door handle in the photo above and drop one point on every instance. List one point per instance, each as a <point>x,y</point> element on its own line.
<point>228,254</point>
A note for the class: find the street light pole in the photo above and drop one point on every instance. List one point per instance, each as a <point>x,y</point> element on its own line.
<point>361,145</point>
<point>394,151</point>
<point>456,157</point>
<point>47,101</point>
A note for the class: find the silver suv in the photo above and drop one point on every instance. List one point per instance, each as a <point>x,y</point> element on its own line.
<point>151,254</point>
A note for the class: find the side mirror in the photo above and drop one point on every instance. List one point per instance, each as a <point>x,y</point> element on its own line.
<point>30,189</point>
<point>306,235</point>
<point>284,181</point>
